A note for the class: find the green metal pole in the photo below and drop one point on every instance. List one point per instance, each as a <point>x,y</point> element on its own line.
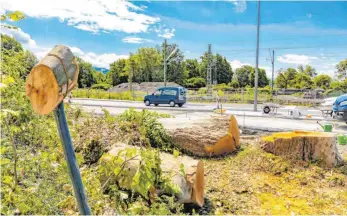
<point>70,158</point>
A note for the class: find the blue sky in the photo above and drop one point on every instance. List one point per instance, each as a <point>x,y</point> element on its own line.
<point>105,30</point>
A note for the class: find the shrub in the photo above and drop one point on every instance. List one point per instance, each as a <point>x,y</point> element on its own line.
<point>145,128</point>
<point>103,86</point>
<point>195,82</point>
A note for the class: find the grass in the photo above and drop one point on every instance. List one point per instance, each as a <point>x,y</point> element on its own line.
<point>193,96</point>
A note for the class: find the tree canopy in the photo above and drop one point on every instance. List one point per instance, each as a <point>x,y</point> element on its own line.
<point>341,69</point>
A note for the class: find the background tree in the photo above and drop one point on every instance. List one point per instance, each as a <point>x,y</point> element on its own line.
<point>14,59</point>
<point>302,80</point>
<point>223,70</point>
<point>286,78</point>
<point>262,78</point>
<point>339,85</point>
<point>195,82</point>
<point>308,70</point>
<point>85,77</point>
<point>118,73</point>
<point>242,75</point>
<point>175,68</point>
<point>149,64</point>
<point>322,81</point>
<point>192,68</point>
<point>341,68</point>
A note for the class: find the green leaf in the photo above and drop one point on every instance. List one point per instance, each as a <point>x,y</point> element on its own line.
<point>182,170</point>
<point>176,153</point>
<point>23,208</point>
<point>6,112</point>
<point>7,180</point>
<point>130,152</point>
<point>16,16</point>
<point>4,161</point>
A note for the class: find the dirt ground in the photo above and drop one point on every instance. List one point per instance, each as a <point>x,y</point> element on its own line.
<point>254,182</point>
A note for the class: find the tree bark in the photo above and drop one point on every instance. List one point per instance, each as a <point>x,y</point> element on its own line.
<point>208,141</point>
<point>306,146</point>
<point>52,79</point>
<point>191,185</point>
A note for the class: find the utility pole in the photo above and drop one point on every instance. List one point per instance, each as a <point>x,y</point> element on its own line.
<point>165,62</point>
<point>131,74</point>
<point>209,70</point>
<point>272,59</point>
<point>256,63</point>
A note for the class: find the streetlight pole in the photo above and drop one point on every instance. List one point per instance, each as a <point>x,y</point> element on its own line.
<point>256,63</point>
<point>166,60</point>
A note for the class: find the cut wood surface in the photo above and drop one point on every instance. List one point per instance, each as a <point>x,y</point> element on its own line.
<point>52,79</point>
<point>191,186</point>
<point>205,140</point>
<point>302,145</point>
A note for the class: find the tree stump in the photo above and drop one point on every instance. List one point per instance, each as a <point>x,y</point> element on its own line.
<point>191,185</point>
<point>302,145</point>
<point>52,79</point>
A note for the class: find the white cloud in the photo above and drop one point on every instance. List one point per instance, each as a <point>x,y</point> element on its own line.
<point>19,35</point>
<point>240,5</point>
<point>103,60</point>
<point>164,32</point>
<point>76,51</point>
<point>92,15</point>
<point>296,59</point>
<point>136,40</point>
<point>268,71</point>
<point>237,64</point>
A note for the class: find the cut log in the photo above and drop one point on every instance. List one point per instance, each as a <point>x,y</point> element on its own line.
<point>202,141</point>
<point>52,79</point>
<point>302,145</point>
<point>191,186</point>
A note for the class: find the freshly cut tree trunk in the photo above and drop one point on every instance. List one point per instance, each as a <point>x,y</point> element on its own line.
<point>306,146</point>
<point>52,79</point>
<point>204,142</point>
<point>191,185</point>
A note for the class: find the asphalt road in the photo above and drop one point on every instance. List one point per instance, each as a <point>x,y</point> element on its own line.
<point>189,107</point>
<point>243,112</point>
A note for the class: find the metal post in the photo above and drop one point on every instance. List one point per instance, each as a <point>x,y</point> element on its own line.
<point>256,63</point>
<point>273,71</point>
<point>131,74</point>
<point>165,62</point>
<point>209,71</point>
<point>70,157</point>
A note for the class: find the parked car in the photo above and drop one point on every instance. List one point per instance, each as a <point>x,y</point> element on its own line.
<point>167,95</point>
<point>340,108</point>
